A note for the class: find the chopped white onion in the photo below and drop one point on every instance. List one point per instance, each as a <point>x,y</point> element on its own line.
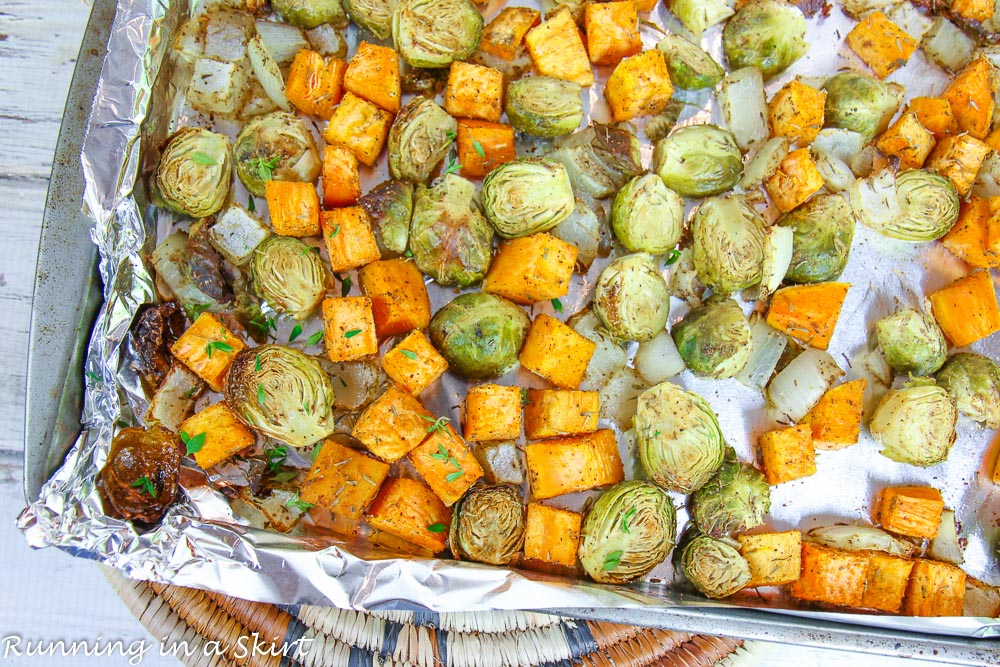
<point>281,40</point>
<point>859,8</point>
<point>910,20</point>
<point>777,258</point>
<point>988,180</point>
<point>877,366</point>
<point>766,347</point>
<point>268,73</point>
<point>799,386</point>
<point>328,41</point>
<point>945,545</point>
<point>764,162</point>
<point>837,174</point>
<point>838,142</point>
<point>947,46</point>
<point>861,537</point>
<point>217,86</point>
<point>658,360</point>
<point>174,398</point>
<point>981,599</point>
<point>744,106</point>
<point>226,36</point>
<point>190,41</point>
<point>619,395</point>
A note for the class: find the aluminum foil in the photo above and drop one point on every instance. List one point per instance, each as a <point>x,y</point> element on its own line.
<point>203,543</point>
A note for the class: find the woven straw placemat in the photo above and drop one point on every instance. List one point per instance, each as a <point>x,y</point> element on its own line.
<point>210,629</point>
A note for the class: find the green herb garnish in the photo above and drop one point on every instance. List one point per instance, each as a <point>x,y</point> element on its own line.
<point>436,527</point>
<point>296,332</point>
<point>672,257</point>
<point>345,286</point>
<point>144,484</point>
<point>193,310</point>
<point>256,364</point>
<point>194,443</point>
<point>299,503</point>
<point>265,166</point>
<point>275,457</point>
<point>219,345</point>
<point>557,305</point>
<point>436,424</point>
<point>612,560</point>
<point>625,519</point>
<point>315,338</point>
<point>352,333</point>
<point>203,159</point>
<point>336,230</point>
<point>260,393</point>
<point>408,354</point>
<point>479,148</point>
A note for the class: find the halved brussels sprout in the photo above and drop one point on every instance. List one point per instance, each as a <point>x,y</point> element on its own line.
<point>861,103</point>
<point>450,239</point>
<point>728,244</point>
<point>647,216</point>
<point>735,499</point>
<point>311,13</point>
<point>823,229</point>
<point>419,139</point>
<point>715,567</point>
<point>714,339</point>
<point>632,299</point>
<point>680,442</point>
<point>585,229</point>
<point>769,34</point>
<point>373,15</point>
<point>277,146</point>
<point>684,282</point>
<point>544,106</point>
<point>974,382</point>
<point>698,160</point>
<point>912,342</point>
<point>691,68</point>
<point>479,334</point>
<point>435,33</point>
<point>929,206</point>
<point>194,172</point>
<point>629,531</point>
<point>282,393</point>
<point>699,15</point>
<point>915,424</point>
<point>527,195</point>
<point>139,478</point>
<point>289,275</point>
<point>488,526</point>
<point>599,159</point>
<point>389,206</point>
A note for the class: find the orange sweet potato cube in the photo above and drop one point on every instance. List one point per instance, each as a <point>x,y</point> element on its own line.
<point>504,35</point>
<point>531,269</point>
<point>935,114</point>
<point>409,510</point>
<point>979,11</point>
<point>349,328</point>
<point>966,310</point>
<point>373,74</point>
<point>208,348</point>
<point>836,419</point>
<point>474,91</point>
<point>808,313</point>
<point>556,352</point>
<point>639,86</point>
<point>343,480</point>
<point>831,575</point>
<point>392,425</point>
<point>446,464</point>
<point>492,412</point>
<point>881,44</point>
<point>350,241</point>
<point>341,177</point>
<point>796,180</point>
<point>552,413</point>
<point>294,208</point>
<point>969,239</point>
<point>788,454</point>
<point>970,95</point>
<point>934,589</point>
<point>958,158</point>
<point>908,140</point>
<point>552,535</point>
<point>612,31</point>
<point>414,364</point>
<point>578,463</point>
<point>797,111</point>
<point>885,581</point>
<point>774,558</point>
<point>315,84</point>
<point>557,49</point>
<point>914,511</point>
<point>399,296</point>
<point>359,125</point>
<point>220,432</point>
<point>483,146</point>
<point>993,139</point>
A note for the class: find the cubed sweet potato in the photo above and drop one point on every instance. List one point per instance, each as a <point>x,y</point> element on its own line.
<point>556,352</point>
<point>808,313</point>
<point>294,208</point>
<point>446,464</point>
<point>885,581</point>
<point>373,74</point>
<point>881,44</point>
<point>315,84</point>
<point>483,146</point>
<point>557,413</point>
<point>831,575</point>
<point>934,589</point>
<point>958,158</point>
<point>341,177</point>
<point>399,296</point>
<point>966,310</point>
<point>908,140</point>
<point>935,114</point>
<point>414,364</point>
<point>208,349</point>
<point>796,180</point>
<point>349,328</point>
<point>557,49</point>
<point>492,412</point>
<point>531,269</point>
<point>979,11</point>
<point>788,454</point>
<point>970,95</point>
<point>836,419</point>
<point>392,425</point>
<point>969,239</point>
<point>567,465</point>
<point>639,86</point>
<point>474,91</point>
<point>409,510</point>
<point>774,558</point>
<point>612,31</point>
<point>552,535</point>
<point>359,125</point>
<point>797,111</point>
<point>504,35</point>
<point>350,241</point>
<point>914,511</point>
<point>221,435</point>
<point>397,545</point>
<point>343,480</point>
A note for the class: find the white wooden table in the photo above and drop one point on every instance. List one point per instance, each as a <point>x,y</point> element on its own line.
<point>47,594</point>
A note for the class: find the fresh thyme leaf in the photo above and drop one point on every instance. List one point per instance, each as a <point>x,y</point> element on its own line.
<point>557,305</point>
<point>451,135</point>
<point>256,364</point>
<point>213,345</point>
<point>144,484</point>
<point>193,310</point>
<point>315,338</point>
<point>275,457</point>
<point>436,527</point>
<point>453,166</point>
<point>299,503</point>
<point>193,443</point>
<point>265,166</point>
<point>625,519</point>
<point>408,354</point>
<point>438,424</point>
<point>345,286</point>
<point>479,148</point>
<point>296,332</point>
<point>203,159</point>
<point>336,230</point>
<point>352,333</point>
<point>316,450</point>
<point>612,560</point>
<point>454,476</point>
<point>93,377</point>
<point>260,393</point>
<point>672,257</point>
<point>408,254</point>
<point>251,205</point>
<point>524,396</point>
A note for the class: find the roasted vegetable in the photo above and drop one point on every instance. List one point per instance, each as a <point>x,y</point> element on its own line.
<point>836,419</point>
<point>419,139</point>
<point>556,352</point>
<point>311,13</point>
<point>149,341</point>
<point>530,269</point>
<point>768,34</point>
<point>714,339</point>
<point>373,74</point>
<point>728,244</point>
<point>823,229</point>
<point>139,477</point>
<point>647,216</point>
<point>208,348</point>
<point>445,463</point>
<point>360,126</point>
<point>293,207</point>
<point>193,174</point>
<point>479,334</point>
<point>474,91</point>
<point>861,103</point>
<point>277,146</point>
<point>774,558</point>
<point>690,67</point>
<point>544,106</point>
<point>928,207</point>
<point>585,229</point>
<point>913,511</point>
<point>349,328</point>
<point>735,499</point>
<point>492,412</point>
<point>861,537</point>
<point>288,276</point>
<point>787,454</point>
<point>699,15</point>
<point>526,196</point>
<point>796,111</point>
<point>912,342</point>
<point>450,239</point>
<point>373,15</point>
<point>488,526</point>
<point>630,530</point>
<point>973,381</point>
<point>680,442</point>
<point>282,393</point>
<point>599,159</point>
<point>808,313</point>
<point>632,298</point>
<point>967,309</point>
<point>552,535</point>
<point>639,86</point>
<point>390,206</point>
<point>578,463</point>
<point>714,567</point>
<point>915,424</point>
<point>557,50</point>
<point>435,33</point>
<point>698,160</point>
